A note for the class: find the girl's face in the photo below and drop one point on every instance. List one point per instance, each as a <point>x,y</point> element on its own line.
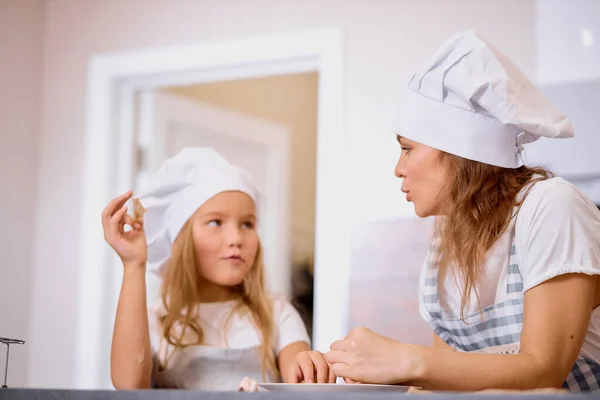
<point>423,176</point>
<point>225,238</point>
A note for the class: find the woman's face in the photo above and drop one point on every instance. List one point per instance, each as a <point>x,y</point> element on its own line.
<point>424,176</point>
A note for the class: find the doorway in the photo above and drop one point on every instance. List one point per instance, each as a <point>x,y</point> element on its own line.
<point>114,81</point>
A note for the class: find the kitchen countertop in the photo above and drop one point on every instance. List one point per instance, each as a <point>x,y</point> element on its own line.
<point>53,394</point>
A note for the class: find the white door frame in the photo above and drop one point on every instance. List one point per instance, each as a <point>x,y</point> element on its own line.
<point>112,80</point>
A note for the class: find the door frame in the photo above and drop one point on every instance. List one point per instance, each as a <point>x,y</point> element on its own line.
<point>109,147</point>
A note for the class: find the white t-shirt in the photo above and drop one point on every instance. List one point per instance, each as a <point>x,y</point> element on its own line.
<point>557,231</point>
<point>228,355</point>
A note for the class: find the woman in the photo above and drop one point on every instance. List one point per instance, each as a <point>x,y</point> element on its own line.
<point>510,287</point>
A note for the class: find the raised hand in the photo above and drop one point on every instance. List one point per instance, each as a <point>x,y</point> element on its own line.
<point>130,246</point>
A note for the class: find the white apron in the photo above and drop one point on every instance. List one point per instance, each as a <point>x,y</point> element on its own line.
<point>209,368</point>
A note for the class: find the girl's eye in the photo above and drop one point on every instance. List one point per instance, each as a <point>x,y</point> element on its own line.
<point>214,223</point>
<point>248,225</point>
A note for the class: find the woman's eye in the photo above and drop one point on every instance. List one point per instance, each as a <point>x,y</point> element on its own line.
<point>214,223</point>
<point>248,225</point>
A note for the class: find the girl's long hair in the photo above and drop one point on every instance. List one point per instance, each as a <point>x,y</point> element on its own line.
<point>180,291</point>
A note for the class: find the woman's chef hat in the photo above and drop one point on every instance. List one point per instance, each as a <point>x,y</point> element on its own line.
<point>470,100</point>
<point>183,184</point>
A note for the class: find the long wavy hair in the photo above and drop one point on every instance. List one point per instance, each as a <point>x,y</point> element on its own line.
<point>480,200</point>
<point>180,291</point>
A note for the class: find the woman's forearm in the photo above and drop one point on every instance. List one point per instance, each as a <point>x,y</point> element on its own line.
<point>453,370</point>
<point>131,356</point>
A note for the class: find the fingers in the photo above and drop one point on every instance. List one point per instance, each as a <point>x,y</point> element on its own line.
<point>293,375</point>
<point>115,204</point>
<point>345,371</point>
<point>335,356</point>
<point>129,220</point>
<point>358,333</point>
<point>115,223</point>
<point>341,345</point>
<point>307,369</point>
<point>342,365</point>
<point>332,378</point>
<point>114,217</point>
<point>313,368</point>
<point>321,366</point>
<point>417,390</point>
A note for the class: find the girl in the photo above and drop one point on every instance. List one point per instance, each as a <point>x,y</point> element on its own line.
<point>510,287</point>
<point>214,324</point>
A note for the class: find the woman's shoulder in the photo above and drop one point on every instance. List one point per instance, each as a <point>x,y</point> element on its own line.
<point>555,212</point>
<point>558,197</point>
<point>556,185</point>
<point>556,232</point>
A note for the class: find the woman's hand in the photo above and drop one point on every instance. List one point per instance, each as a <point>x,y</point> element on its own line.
<point>310,367</point>
<point>130,246</point>
<point>367,357</point>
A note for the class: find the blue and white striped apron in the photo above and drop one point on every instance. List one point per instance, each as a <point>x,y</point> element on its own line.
<point>497,325</point>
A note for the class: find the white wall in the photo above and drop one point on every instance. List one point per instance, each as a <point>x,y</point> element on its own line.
<point>568,66</point>
<point>20,70</point>
<point>385,41</point>
<point>385,267</point>
<point>562,53</point>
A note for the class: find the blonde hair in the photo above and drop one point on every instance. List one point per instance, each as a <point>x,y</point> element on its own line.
<point>180,293</point>
<point>482,199</point>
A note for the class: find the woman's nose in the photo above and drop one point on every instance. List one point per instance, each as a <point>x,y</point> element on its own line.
<point>400,170</point>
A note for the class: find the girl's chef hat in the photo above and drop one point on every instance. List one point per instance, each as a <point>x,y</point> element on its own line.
<point>470,100</point>
<point>183,184</point>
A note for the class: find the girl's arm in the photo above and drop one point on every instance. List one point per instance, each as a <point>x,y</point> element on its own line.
<point>299,364</point>
<point>296,361</point>
<point>131,357</point>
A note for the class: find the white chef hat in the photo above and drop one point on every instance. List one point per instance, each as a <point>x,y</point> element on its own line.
<point>183,184</point>
<point>470,100</point>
